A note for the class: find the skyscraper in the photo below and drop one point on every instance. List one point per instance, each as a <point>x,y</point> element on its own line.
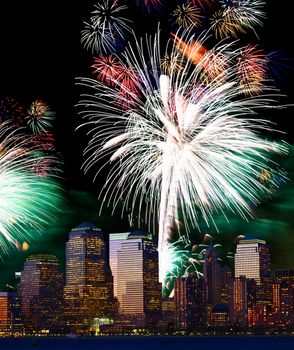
<point>138,287</point>
<point>88,292</point>
<point>10,314</point>
<point>211,271</point>
<point>41,288</point>
<point>252,259</point>
<point>115,241</point>
<point>189,300</point>
<point>225,285</point>
<point>283,297</point>
<point>243,298</point>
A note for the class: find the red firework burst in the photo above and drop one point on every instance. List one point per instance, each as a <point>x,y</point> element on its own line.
<point>252,69</point>
<point>107,69</point>
<point>128,87</point>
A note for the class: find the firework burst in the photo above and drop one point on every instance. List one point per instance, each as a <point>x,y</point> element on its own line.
<point>187,15</point>
<point>252,69</point>
<point>184,147</point>
<point>245,14</point>
<point>107,16</point>
<point>128,84</point>
<point>224,25</point>
<point>96,38</point>
<point>40,116</point>
<point>28,201</point>
<point>171,63</point>
<point>106,27</point>
<point>107,68</point>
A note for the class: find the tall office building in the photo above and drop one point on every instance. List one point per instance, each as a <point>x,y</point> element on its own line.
<point>252,260</point>
<point>138,287</point>
<point>283,297</point>
<point>211,271</point>
<point>168,313</point>
<point>243,300</point>
<point>225,285</point>
<point>10,314</point>
<point>115,241</point>
<point>40,291</point>
<point>88,292</point>
<point>189,300</point>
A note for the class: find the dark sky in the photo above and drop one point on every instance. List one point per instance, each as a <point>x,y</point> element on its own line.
<point>41,56</point>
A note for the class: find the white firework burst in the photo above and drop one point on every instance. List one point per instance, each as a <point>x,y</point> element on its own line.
<point>186,147</point>
<point>107,25</point>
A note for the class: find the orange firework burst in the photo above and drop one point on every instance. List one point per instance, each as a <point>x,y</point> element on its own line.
<point>193,50</point>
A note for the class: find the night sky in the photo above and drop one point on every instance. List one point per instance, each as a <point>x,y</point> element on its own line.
<point>41,56</point>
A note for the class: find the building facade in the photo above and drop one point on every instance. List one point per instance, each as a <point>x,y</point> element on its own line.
<point>41,294</point>
<point>211,272</point>
<point>11,322</point>
<point>138,287</point>
<point>88,292</point>
<point>243,301</point>
<point>189,300</point>
<point>115,241</point>
<point>252,260</point>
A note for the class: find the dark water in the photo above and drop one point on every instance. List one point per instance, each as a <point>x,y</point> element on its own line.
<point>150,343</point>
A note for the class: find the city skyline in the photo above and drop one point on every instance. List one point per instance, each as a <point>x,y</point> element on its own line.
<point>48,303</point>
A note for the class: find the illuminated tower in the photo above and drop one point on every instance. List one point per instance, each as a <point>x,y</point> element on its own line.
<point>252,260</point>
<point>189,300</point>
<point>115,241</point>
<point>41,288</point>
<point>243,300</point>
<point>10,314</point>
<point>88,292</point>
<point>138,287</point>
<point>283,297</point>
<point>225,285</point>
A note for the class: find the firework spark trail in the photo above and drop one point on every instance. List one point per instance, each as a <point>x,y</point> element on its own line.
<point>184,147</point>
<point>27,201</point>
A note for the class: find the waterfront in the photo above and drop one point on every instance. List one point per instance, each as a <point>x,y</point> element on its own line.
<point>147,343</point>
